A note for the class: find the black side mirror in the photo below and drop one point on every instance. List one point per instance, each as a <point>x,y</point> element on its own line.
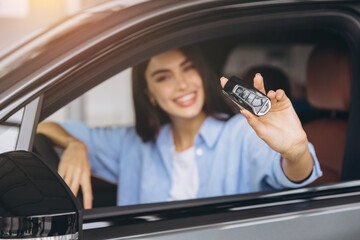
<point>34,201</point>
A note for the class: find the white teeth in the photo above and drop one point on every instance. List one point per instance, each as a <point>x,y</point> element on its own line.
<point>186,98</point>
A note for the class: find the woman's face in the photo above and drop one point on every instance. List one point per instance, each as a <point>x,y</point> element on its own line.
<point>175,85</point>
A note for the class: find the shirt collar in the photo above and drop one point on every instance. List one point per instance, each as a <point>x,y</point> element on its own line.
<point>210,130</point>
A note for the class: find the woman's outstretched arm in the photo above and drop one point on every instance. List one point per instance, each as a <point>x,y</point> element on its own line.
<point>281,129</point>
<point>74,165</point>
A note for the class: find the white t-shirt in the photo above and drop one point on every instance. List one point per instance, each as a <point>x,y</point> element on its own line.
<point>184,176</point>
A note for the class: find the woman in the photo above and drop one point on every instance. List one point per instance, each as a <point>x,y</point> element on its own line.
<point>187,142</point>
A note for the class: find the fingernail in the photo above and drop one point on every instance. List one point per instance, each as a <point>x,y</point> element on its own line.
<point>257,75</point>
<point>223,81</point>
<point>245,115</point>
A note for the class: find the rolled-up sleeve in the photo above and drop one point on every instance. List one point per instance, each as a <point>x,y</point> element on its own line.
<point>104,147</point>
<point>283,181</point>
<point>265,165</point>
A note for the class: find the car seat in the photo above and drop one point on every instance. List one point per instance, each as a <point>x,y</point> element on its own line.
<point>328,82</point>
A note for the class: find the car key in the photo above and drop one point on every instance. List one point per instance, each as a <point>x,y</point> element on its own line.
<point>247,96</point>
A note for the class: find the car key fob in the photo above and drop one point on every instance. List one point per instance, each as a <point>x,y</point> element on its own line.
<point>247,96</point>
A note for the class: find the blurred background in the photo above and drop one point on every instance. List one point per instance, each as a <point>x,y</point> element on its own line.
<point>111,103</point>
<point>22,19</point>
<point>19,18</point>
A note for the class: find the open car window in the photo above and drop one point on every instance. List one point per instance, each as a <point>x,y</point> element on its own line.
<point>285,63</point>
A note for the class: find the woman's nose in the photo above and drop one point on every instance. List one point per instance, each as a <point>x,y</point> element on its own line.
<point>182,82</point>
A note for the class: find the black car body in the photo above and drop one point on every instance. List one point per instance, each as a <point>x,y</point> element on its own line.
<point>43,74</point>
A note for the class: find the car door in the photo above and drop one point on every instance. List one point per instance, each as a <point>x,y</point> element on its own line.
<point>49,71</point>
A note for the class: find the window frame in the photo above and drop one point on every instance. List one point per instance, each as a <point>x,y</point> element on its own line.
<point>118,217</point>
<point>120,56</point>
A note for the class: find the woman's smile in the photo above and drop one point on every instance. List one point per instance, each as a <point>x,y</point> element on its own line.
<point>175,85</point>
<point>186,100</point>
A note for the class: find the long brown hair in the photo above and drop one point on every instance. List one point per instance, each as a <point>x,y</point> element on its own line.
<point>150,118</point>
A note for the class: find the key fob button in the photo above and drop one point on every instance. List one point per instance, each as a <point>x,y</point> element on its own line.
<point>257,102</point>
<point>250,98</point>
<point>239,91</point>
<point>245,94</point>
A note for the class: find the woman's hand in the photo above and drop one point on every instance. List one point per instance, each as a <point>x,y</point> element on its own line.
<point>74,166</point>
<point>75,169</point>
<point>281,129</point>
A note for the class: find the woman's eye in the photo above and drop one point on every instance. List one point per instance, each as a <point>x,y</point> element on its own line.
<point>162,78</point>
<point>190,67</point>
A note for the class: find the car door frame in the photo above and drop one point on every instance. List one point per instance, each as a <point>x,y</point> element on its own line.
<point>257,14</point>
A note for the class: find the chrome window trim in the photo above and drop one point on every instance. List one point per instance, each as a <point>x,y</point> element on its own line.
<point>28,124</point>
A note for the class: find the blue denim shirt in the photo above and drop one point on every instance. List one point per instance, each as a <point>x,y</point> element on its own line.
<point>231,159</point>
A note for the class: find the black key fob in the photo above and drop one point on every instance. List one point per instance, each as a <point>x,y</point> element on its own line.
<point>247,96</point>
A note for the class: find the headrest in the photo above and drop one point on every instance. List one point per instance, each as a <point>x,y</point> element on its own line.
<point>328,78</point>
<point>274,78</point>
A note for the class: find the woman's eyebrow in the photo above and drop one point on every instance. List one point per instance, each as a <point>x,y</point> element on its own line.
<point>184,62</point>
<point>167,70</point>
<point>160,71</point>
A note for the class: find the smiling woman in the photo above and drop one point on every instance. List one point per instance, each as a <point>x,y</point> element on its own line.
<point>175,84</point>
<point>179,85</point>
<point>179,148</point>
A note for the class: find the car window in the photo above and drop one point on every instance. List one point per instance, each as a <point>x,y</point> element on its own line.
<point>9,131</point>
<point>284,65</point>
<point>108,104</point>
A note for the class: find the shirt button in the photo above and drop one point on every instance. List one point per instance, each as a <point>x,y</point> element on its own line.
<point>199,151</point>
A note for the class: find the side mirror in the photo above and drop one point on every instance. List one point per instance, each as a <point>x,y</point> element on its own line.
<point>34,200</point>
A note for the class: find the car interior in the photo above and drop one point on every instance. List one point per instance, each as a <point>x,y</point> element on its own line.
<point>328,81</point>
<point>314,68</point>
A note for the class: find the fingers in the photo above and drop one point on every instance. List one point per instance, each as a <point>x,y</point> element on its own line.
<point>280,94</point>
<point>75,178</point>
<point>277,96</point>
<point>251,118</point>
<point>75,169</point>
<point>61,171</point>
<point>75,183</point>
<point>259,83</point>
<point>271,94</point>
<point>223,81</point>
<point>245,113</point>
<point>68,176</point>
<point>87,191</point>
<point>71,177</point>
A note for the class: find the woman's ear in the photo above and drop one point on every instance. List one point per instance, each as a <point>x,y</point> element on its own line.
<point>151,98</point>
<point>153,101</point>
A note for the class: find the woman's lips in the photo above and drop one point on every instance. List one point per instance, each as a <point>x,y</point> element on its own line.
<point>186,100</point>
